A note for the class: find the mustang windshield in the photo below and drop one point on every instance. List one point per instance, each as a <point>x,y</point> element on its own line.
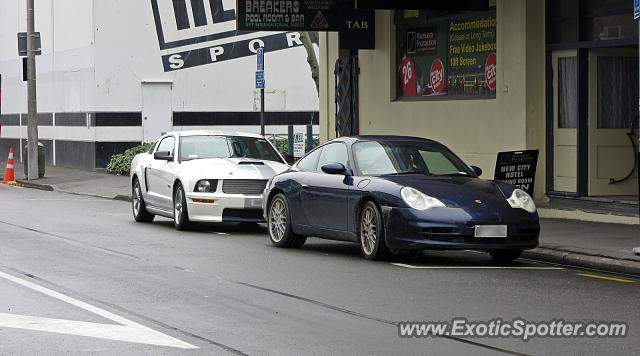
<point>201,147</point>
<point>406,157</point>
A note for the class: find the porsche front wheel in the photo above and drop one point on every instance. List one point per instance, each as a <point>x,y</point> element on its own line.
<point>279,222</point>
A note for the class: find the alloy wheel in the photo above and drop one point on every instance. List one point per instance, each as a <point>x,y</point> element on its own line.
<point>177,214</point>
<point>137,198</point>
<point>368,230</point>
<point>277,220</point>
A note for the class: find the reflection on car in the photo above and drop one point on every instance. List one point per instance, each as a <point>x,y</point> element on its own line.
<point>208,176</point>
<point>399,195</point>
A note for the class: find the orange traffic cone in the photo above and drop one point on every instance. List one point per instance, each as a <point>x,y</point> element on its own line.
<point>9,176</point>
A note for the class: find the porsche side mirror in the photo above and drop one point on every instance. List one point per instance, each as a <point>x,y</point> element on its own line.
<point>334,168</point>
<point>290,159</point>
<point>476,170</point>
<point>163,156</point>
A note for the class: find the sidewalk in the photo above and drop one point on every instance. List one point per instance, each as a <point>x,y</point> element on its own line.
<point>76,181</point>
<point>571,242</point>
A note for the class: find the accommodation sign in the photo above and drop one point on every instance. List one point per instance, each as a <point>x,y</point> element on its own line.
<point>288,15</point>
<point>517,168</point>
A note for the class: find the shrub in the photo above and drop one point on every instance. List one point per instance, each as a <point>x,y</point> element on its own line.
<point>121,163</point>
<point>282,144</point>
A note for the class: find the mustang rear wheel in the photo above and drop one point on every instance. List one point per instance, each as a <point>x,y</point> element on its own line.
<point>180,212</point>
<point>279,221</point>
<point>140,213</point>
<point>505,256</point>
<point>371,231</point>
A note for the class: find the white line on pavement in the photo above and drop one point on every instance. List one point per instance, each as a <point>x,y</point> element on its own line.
<point>474,267</point>
<point>128,330</point>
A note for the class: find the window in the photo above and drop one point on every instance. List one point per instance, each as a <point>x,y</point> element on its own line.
<point>200,147</point>
<point>617,91</point>
<point>567,92</point>
<point>451,55</point>
<point>308,163</point>
<point>333,153</point>
<point>167,144</point>
<point>251,147</point>
<point>407,157</point>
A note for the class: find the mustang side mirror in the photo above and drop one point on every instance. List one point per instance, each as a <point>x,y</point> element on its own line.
<point>163,156</point>
<point>334,168</point>
<point>476,170</point>
<point>290,159</point>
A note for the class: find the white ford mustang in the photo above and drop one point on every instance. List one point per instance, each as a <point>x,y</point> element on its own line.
<point>208,176</point>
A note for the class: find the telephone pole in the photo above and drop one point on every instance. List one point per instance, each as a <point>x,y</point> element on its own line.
<point>32,109</point>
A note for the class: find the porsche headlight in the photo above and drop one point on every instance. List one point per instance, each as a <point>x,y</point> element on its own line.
<point>520,199</point>
<point>206,186</point>
<point>418,200</point>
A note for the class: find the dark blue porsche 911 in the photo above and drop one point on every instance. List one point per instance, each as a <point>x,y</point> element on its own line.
<point>397,195</point>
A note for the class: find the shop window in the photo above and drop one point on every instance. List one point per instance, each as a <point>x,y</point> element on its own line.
<point>568,93</point>
<point>617,91</point>
<point>450,55</point>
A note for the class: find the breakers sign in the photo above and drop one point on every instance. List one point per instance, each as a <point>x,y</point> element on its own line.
<point>210,27</point>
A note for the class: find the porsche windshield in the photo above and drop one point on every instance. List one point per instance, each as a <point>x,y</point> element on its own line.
<point>202,147</point>
<point>406,157</point>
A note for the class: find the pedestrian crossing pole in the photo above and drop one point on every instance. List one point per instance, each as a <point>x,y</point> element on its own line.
<point>32,107</point>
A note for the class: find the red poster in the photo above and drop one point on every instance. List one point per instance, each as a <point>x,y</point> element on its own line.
<point>490,71</point>
<point>437,76</point>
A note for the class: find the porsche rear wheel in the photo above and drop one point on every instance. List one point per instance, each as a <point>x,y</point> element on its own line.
<point>139,208</point>
<point>279,222</point>
<point>505,256</point>
<point>180,212</point>
<point>372,242</point>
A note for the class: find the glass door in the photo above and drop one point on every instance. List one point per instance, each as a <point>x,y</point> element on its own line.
<point>613,106</point>
<point>565,121</point>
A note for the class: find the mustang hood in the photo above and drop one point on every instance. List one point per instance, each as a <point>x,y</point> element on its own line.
<point>235,168</point>
<point>457,191</point>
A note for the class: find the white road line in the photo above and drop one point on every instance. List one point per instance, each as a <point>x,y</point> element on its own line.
<point>474,267</point>
<point>62,199</point>
<point>128,330</point>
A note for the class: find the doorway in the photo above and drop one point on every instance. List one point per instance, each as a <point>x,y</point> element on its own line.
<point>613,111</point>
<point>565,121</point>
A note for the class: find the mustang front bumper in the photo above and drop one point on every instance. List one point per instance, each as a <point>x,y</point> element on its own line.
<point>453,229</point>
<point>224,208</point>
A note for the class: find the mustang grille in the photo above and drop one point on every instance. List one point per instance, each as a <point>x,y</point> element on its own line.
<point>244,186</point>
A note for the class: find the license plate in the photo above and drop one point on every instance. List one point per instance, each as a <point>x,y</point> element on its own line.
<point>490,231</point>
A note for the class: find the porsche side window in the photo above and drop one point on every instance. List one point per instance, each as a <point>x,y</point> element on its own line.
<point>309,162</point>
<point>167,144</point>
<point>333,153</point>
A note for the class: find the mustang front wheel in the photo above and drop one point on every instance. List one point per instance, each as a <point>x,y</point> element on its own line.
<point>372,233</point>
<point>180,212</point>
<point>279,221</point>
<point>140,213</point>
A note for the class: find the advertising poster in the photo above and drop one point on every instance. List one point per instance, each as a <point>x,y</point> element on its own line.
<point>517,168</point>
<point>472,56</point>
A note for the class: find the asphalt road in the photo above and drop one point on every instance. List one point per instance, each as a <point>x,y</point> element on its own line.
<point>79,276</point>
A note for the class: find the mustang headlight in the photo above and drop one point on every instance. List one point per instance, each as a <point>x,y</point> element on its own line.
<point>520,199</point>
<point>206,186</point>
<point>418,200</point>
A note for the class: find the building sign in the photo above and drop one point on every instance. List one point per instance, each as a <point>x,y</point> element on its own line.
<point>453,56</point>
<point>210,26</point>
<point>517,168</point>
<point>288,15</point>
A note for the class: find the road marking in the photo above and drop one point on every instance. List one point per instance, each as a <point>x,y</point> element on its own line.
<point>474,267</point>
<point>61,199</point>
<point>622,280</point>
<point>128,330</point>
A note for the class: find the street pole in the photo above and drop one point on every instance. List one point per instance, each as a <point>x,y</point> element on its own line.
<point>262,111</point>
<point>32,109</point>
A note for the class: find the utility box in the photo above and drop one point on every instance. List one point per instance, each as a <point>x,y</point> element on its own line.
<point>40,160</point>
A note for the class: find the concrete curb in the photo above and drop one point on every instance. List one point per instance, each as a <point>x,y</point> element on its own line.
<point>51,188</point>
<point>583,260</point>
<point>27,184</point>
